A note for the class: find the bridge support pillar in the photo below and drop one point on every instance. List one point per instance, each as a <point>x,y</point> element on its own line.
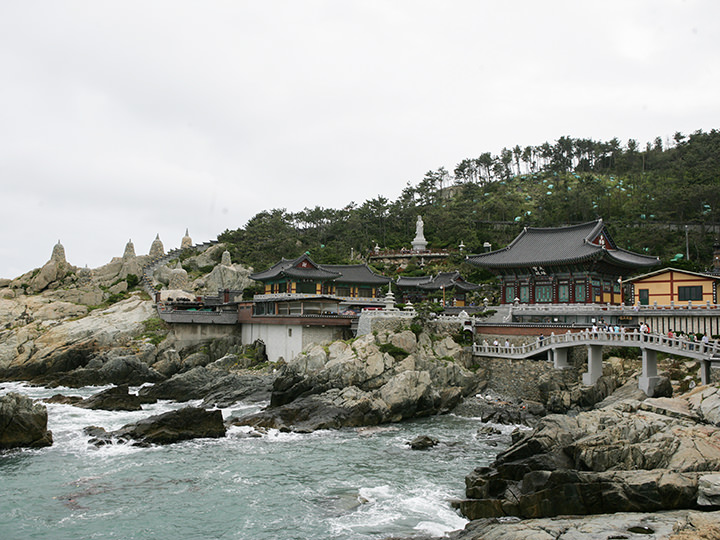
<point>594,365</point>
<point>649,379</point>
<point>705,371</point>
<point>560,360</point>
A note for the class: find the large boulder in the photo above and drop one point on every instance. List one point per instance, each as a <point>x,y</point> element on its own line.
<point>217,386</point>
<point>117,398</point>
<point>174,426</point>
<point>23,423</point>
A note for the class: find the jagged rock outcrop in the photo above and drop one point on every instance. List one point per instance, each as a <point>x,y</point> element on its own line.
<point>40,352</point>
<point>23,423</point>
<point>634,455</point>
<point>368,382</point>
<point>673,525</point>
<point>225,275</point>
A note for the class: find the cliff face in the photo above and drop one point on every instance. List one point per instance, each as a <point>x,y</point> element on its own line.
<point>46,339</point>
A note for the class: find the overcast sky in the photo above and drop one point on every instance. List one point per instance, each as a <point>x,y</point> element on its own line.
<point>120,120</point>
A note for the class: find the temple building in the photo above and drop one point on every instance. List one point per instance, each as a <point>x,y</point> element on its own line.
<point>302,286</point>
<point>451,285</point>
<point>578,264</point>
<point>670,286</point>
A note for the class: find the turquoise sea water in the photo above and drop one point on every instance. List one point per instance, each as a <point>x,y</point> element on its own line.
<point>347,484</point>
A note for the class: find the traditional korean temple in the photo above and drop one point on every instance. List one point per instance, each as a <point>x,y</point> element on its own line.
<point>453,286</point>
<point>302,286</point>
<point>578,264</point>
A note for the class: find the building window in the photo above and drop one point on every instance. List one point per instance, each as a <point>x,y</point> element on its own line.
<point>342,290</point>
<point>543,293</point>
<point>579,292</point>
<point>509,294</point>
<point>306,287</point>
<point>525,294</point>
<point>693,293</point>
<point>644,296</point>
<point>563,292</point>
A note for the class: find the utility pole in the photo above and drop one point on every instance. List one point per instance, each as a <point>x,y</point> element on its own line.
<point>687,245</point>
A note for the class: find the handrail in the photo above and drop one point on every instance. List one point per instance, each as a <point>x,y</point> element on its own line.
<point>613,308</point>
<point>651,340</point>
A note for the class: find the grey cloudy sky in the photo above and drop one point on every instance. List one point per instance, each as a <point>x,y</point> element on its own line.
<point>121,120</point>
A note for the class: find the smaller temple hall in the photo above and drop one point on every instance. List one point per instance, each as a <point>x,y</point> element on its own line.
<point>578,264</point>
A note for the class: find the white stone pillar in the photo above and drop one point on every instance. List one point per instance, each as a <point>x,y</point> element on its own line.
<point>594,365</point>
<point>560,360</point>
<point>649,379</point>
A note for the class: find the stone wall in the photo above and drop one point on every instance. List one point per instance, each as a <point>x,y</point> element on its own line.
<point>397,322</point>
<point>190,334</point>
<point>514,378</point>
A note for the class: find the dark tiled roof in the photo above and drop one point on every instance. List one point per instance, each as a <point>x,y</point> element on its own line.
<point>356,273</point>
<point>562,245</point>
<point>405,281</point>
<point>286,268</point>
<point>304,268</point>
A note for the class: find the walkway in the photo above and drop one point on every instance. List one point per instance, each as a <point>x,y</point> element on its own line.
<point>650,344</point>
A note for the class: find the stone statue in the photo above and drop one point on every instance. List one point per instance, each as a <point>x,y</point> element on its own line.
<point>156,248</point>
<point>419,243</point>
<point>186,241</point>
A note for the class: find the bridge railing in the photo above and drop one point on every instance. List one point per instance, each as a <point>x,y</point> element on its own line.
<point>613,308</point>
<point>600,337</point>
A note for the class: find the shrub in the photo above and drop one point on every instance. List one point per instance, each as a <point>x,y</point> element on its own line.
<point>397,353</point>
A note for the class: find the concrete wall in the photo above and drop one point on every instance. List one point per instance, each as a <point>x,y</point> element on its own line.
<point>286,341</point>
<point>190,334</point>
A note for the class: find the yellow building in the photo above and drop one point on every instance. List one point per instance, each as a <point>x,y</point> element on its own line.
<point>672,286</point>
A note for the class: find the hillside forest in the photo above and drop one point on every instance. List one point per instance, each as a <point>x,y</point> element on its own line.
<point>662,200</point>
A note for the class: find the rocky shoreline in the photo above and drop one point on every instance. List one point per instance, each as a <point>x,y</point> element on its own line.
<point>595,462</point>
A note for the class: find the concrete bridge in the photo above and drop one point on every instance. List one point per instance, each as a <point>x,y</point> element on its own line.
<point>556,347</point>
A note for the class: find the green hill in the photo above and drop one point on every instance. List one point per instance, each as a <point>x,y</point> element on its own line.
<point>647,197</point>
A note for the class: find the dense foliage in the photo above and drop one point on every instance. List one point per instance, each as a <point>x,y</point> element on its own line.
<point>652,199</point>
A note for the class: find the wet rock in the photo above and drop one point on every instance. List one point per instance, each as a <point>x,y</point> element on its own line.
<point>216,386</point>
<point>174,426</point>
<point>423,442</point>
<point>23,423</point>
<point>64,400</point>
<point>117,398</point>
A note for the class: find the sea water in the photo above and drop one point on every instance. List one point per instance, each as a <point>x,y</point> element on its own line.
<point>345,484</point>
